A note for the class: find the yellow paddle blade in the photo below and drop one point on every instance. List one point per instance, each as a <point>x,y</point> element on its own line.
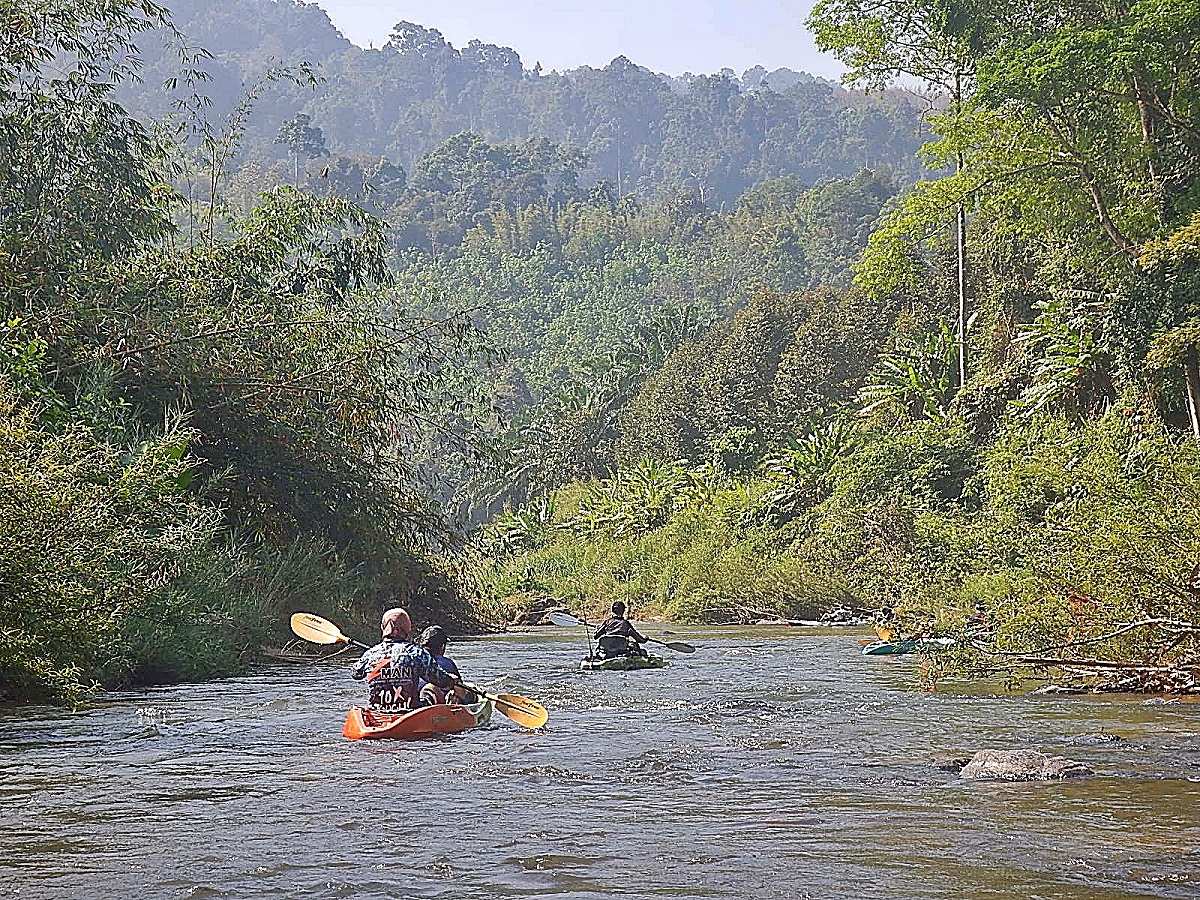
<point>522,710</point>
<point>313,628</point>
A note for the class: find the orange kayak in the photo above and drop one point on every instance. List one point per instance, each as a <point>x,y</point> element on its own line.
<point>444,718</point>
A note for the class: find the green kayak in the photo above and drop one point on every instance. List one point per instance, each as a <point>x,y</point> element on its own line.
<point>621,663</point>
<point>906,645</point>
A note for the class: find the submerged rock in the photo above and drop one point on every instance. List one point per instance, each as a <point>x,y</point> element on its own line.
<point>1022,765</point>
<point>1094,738</point>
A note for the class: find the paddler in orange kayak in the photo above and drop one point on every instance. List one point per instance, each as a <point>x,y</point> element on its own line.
<point>434,640</point>
<point>395,666</point>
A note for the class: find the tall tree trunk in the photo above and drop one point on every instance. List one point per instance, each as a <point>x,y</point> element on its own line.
<point>1147,117</point>
<point>1191,375</point>
<point>960,238</point>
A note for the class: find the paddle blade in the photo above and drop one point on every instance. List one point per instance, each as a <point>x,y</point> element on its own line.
<point>313,628</point>
<point>564,620</point>
<point>525,712</point>
<point>680,646</point>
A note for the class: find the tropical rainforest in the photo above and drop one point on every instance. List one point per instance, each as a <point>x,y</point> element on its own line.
<point>290,323</point>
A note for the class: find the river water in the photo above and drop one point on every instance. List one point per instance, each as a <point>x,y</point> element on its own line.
<point>771,763</point>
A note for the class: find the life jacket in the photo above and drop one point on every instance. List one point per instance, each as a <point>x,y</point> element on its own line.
<point>614,645</point>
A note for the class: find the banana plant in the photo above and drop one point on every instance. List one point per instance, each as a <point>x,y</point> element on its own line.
<point>916,376</point>
<point>1072,365</point>
<point>518,530</point>
<point>643,498</point>
<point>798,471</point>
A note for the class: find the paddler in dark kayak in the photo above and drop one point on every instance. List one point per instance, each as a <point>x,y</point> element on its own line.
<point>395,667</point>
<point>617,636</point>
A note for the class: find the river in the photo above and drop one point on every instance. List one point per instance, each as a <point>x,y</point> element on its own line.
<point>771,763</point>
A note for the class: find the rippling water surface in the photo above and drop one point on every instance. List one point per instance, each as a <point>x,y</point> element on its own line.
<point>771,763</point>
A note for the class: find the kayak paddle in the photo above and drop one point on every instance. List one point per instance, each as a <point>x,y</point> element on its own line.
<point>566,620</point>
<point>320,631</point>
<point>521,710</point>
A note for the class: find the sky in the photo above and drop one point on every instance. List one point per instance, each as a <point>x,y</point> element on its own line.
<point>671,36</point>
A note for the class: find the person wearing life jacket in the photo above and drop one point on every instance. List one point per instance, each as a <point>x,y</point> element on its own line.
<point>394,668</point>
<point>616,635</point>
<point>886,628</point>
<point>434,640</point>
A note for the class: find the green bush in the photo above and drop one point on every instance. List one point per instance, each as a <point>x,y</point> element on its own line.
<point>96,541</point>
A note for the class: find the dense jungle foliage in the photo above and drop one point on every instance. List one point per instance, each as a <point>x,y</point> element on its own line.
<point>210,416</point>
<point>419,323</point>
<point>823,447</point>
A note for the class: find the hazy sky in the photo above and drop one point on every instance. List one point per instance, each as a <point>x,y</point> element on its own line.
<point>672,36</point>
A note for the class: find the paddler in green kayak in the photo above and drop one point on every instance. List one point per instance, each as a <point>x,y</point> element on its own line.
<point>616,635</point>
<point>395,666</point>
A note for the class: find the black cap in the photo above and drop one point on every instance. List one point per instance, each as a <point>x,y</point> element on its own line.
<point>434,638</point>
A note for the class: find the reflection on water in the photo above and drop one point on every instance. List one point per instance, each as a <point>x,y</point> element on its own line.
<point>768,764</point>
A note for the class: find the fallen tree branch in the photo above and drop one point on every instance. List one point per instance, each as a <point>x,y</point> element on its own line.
<point>1174,626</point>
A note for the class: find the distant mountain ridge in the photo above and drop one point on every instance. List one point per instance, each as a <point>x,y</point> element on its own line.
<point>713,136</point>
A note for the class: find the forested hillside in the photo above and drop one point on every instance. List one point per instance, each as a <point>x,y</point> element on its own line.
<point>714,135</point>
<point>719,348</point>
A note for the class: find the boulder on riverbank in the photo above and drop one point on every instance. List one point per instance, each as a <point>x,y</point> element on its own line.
<point>1022,765</point>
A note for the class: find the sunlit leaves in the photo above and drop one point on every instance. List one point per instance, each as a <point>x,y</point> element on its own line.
<point>881,40</point>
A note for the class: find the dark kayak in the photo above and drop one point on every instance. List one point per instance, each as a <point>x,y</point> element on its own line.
<point>621,663</point>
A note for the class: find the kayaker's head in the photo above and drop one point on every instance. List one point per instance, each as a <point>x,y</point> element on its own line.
<point>618,609</point>
<point>396,624</point>
<point>434,639</point>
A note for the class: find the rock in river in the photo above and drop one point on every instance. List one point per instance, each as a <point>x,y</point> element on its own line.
<point>1022,765</point>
